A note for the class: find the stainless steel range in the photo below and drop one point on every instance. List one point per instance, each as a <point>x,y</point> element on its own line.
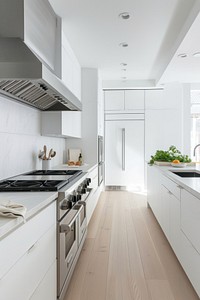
<point>73,188</point>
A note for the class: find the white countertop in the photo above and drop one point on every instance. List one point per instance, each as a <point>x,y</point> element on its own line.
<point>33,201</point>
<point>191,184</point>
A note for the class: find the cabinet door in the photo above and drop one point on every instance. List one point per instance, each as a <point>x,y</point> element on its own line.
<point>134,99</point>
<point>190,218</point>
<point>114,100</point>
<point>124,153</point>
<point>165,204</point>
<point>174,226</point>
<point>30,269</point>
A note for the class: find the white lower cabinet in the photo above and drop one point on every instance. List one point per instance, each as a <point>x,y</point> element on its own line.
<point>21,278</point>
<point>178,213</point>
<point>47,287</point>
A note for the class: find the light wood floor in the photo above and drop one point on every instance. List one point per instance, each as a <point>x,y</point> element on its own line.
<point>126,256</point>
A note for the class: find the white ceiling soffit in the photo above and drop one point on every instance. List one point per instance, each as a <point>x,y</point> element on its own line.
<point>153,33</point>
<point>185,64</point>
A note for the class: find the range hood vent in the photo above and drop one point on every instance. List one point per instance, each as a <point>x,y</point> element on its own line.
<point>25,78</point>
<point>29,64</point>
<point>36,94</point>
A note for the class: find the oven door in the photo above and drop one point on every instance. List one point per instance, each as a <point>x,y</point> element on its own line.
<point>67,244</point>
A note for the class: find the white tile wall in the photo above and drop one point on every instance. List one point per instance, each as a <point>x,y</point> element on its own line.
<point>21,140</point>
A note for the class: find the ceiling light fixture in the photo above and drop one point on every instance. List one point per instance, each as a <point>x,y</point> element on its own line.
<point>124,16</point>
<point>124,45</point>
<point>182,55</point>
<point>123,69</point>
<point>196,54</point>
<point>124,77</point>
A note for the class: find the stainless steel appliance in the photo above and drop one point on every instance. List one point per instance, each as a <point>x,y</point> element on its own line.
<point>72,229</point>
<point>30,64</point>
<point>100,159</point>
<point>73,188</point>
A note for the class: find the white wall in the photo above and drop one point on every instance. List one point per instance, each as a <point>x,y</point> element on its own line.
<point>178,94</point>
<point>20,139</point>
<point>89,120</point>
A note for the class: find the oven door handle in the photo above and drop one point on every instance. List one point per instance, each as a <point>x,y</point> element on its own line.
<point>65,228</point>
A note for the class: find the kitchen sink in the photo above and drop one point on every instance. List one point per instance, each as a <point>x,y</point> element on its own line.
<point>187,174</point>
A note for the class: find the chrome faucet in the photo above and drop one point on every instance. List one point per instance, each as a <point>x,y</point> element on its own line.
<point>195,149</point>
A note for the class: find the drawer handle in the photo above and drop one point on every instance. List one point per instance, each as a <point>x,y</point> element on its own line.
<point>180,187</point>
<point>32,248</point>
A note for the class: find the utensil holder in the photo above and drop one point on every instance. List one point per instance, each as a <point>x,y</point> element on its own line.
<point>46,164</point>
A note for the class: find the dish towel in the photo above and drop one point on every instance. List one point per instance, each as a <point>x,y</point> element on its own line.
<point>12,209</point>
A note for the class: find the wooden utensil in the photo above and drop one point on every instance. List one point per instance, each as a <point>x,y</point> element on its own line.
<point>53,154</point>
<point>45,152</point>
<point>50,152</point>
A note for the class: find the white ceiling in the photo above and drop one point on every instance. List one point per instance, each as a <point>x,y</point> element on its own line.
<point>153,33</point>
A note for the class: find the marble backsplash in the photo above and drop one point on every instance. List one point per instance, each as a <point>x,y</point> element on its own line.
<point>21,139</point>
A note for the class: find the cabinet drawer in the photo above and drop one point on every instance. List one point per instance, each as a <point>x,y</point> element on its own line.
<point>47,288</point>
<point>24,277</point>
<point>94,178</point>
<point>19,241</point>
<point>190,218</point>
<point>190,260</point>
<point>173,187</point>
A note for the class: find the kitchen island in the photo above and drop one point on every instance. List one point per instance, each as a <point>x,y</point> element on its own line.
<point>175,202</point>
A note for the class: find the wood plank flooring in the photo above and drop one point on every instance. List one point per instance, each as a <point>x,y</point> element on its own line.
<point>126,256</point>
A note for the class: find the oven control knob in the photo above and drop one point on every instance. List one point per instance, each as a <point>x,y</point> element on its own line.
<point>85,185</point>
<point>64,205</point>
<point>88,180</point>
<point>83,191</point>
<point>71,204</point>
<point>78,197</point>
<point>72,198</point>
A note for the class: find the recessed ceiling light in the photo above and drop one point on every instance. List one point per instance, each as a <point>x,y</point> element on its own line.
<point>182,55</point>
<point>124,45</point>
<point>124,16</point>
<point>123,64</point>
<point>196,54</point>
<point>123,69</point>
<point>124,77</point>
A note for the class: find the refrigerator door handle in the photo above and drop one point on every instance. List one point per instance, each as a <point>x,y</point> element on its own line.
<point>123,149</point>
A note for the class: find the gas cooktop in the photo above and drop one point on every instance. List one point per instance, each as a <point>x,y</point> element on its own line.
<point>31,185</point>
<point>39,180</point>
<point>55,172</point>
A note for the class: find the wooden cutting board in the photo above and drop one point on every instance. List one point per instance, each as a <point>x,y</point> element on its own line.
<point>73,154</point>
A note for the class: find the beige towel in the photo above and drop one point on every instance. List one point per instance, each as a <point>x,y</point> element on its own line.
<point>12,209</point>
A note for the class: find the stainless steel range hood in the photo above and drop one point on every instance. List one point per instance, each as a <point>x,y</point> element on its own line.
<point>23,75</point>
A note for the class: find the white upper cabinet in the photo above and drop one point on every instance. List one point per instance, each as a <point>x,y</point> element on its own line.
<point>61,123</point>
<point>42,32</point>
<point>71,69</point>
<point>123,100</point>
<point>114,100</point>
<point>134,99</point>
